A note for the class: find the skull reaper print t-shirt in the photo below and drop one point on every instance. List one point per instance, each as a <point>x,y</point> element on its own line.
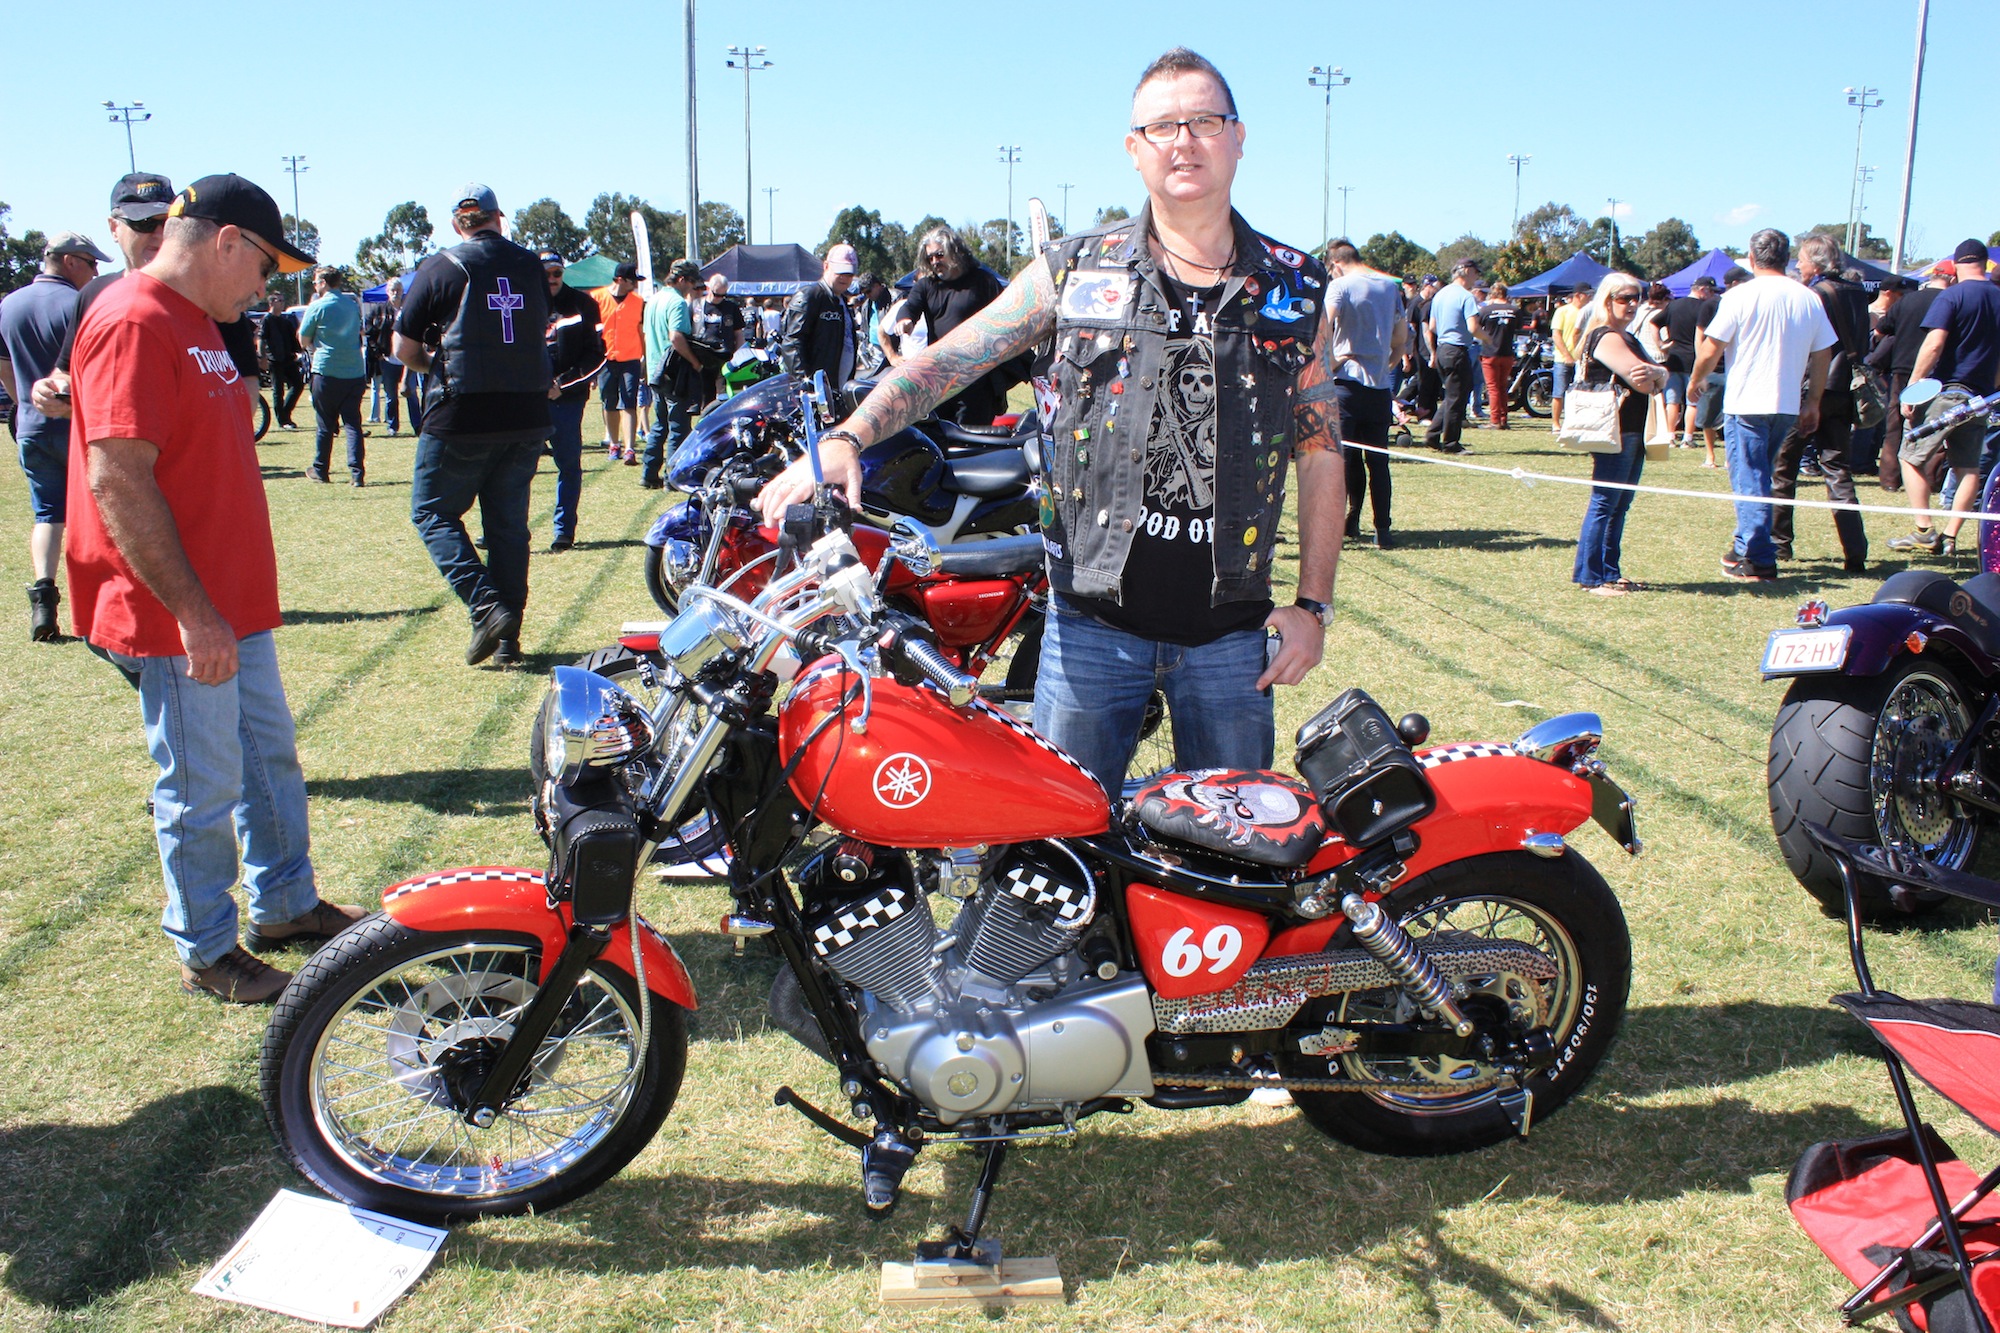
<point>1169,576</point>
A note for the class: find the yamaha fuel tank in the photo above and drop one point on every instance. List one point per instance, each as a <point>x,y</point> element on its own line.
<point>925,774</point>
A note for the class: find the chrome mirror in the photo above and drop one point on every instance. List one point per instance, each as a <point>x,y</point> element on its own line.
<point>1564,741</point>
<point>1920,392</point>
<point>591,724</point>
<point>914,545</point>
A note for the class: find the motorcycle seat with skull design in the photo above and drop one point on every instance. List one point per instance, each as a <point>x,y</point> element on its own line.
<point>1250,814</point>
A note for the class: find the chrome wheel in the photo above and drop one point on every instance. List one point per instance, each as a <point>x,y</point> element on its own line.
<point>395,1065</point>
<point>1919,725</point>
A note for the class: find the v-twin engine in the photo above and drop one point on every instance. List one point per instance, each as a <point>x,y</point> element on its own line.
<point>997,1012</point>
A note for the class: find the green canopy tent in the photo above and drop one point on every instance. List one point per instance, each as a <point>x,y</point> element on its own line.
<point>590,273</point>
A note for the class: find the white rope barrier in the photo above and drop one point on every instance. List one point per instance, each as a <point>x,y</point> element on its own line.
<point>1526,477</point>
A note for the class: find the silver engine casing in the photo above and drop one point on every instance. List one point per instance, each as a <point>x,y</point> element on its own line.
<point>970,1057</point>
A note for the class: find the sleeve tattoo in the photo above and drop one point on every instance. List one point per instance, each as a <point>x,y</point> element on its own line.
<point>1018,318</point>
<point>1316,419</point>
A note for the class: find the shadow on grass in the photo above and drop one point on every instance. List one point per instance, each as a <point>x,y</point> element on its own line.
<point>344,617</point>
<point>88,1209</point>
<point>1469,539</point>
<point>444,791</point>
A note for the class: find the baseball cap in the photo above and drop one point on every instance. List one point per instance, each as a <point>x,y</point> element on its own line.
<point>842,259</point>
<point>1970,252</point>
<point>1430,279</point>
<point>1734,274</point>
<point>73,243</point>
<point>480,197</point>
<point>684,268</point>
<point>235,202</point>
<point>628,271</point>
<point>1942,269</point>
<point>1466,263</point>
<point>141,195</point>
<point>550,259</point>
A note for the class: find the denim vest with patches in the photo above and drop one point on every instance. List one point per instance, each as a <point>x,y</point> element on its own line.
<point>1097,379</point>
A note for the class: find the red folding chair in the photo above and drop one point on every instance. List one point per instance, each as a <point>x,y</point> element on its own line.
<point>1899,1213</point>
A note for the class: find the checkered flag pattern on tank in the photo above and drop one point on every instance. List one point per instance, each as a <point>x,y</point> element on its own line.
<point>1451,754</point>
<point>832,936</point>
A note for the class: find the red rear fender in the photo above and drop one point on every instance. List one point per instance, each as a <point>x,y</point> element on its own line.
<point>1487,801</point>
<point>510,899</point>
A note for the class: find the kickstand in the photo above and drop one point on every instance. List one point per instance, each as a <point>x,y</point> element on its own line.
<point>962,1245</point>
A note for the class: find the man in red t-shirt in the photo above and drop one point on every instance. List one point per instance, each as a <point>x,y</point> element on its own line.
<point>174,579</point>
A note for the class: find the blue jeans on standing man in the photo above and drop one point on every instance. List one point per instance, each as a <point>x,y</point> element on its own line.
<point>337,401</point>
<point>230,787</point>
<point>1094,683</point>
<point>566,447</point>
<point>1598,546</point>
<point>449,476</point>
<point>672,419</point>
<point>1753,442</point>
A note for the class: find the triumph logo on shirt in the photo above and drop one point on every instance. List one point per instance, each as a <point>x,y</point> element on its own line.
<point>218,364</point>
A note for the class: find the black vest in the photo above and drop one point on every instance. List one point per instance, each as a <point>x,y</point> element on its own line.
<point>494,343</point>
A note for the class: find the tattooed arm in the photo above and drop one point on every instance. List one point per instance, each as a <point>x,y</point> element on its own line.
<point>1018,318</point>
<point>1322,507</point>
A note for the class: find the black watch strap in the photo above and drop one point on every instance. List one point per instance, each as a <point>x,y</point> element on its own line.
<point>1320,610</point>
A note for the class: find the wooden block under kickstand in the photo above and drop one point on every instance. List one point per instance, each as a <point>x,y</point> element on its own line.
<point>934,1283</point>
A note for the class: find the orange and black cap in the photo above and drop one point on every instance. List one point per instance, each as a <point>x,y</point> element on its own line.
<point>235,202</point>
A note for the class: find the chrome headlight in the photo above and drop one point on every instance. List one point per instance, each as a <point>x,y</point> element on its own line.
<point>703,631</point>
<point>591,725</point>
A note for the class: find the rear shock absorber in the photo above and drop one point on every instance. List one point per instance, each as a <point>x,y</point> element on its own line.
<point>1390,946</point>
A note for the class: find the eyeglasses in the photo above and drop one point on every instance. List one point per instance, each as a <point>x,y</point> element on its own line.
<point>269,268</point>
<point>934,255</point>
<point>145,226</point>
<point>1204,126</point>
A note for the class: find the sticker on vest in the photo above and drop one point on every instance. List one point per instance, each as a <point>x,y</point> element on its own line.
<point>1097,296</point>
<point>1289,258</point>
<point>1281,304</point>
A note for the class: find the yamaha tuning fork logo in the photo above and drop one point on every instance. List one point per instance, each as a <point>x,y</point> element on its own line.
<point>902,780</point>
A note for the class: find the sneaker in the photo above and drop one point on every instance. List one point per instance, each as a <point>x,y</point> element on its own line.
<point>489,627</point>
<point>43,599</point>
<point>1923,539</point>
<point>1736,567</point>
<point>322,923</point>
<point>507,653</point>
<point>314,474</point>
<point>631,458</point>
<point>236,978</point>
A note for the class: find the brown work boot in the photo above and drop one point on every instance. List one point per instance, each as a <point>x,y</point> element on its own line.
<point>322,923</point>
<point>237,978</point>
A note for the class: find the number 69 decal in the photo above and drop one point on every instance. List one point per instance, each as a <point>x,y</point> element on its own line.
<point>1219,948</point>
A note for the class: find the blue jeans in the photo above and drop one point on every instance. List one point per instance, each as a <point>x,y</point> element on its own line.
<point>671,424</point>
<point>337,402</point>
<point>1597,547</point>
<point>1095,682</point>
<point>229,785</point>
<point>449,476</point>
<point>1753,441</point>
<point>566,447</point>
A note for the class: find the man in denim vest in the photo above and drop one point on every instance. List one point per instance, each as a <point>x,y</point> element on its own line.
<point>1182,365</point>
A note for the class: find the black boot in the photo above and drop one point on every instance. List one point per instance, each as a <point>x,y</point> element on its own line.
<point>1353,530</point>
<point>43,599</point>
<point>884,1162</point>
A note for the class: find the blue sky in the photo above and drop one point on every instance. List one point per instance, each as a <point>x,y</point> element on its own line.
<point>1728,115</point>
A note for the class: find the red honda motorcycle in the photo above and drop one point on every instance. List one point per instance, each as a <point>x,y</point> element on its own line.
<point>982,949</point>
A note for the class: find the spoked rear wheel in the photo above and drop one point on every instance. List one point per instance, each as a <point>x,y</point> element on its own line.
<point>380,1040</point>
<point>1443,1104</point>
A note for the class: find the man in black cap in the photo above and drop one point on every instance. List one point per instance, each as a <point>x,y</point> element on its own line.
<point>1961,347</point>
<point>174,579</point>
<point>620,312</point>
<point>469,322</point>
<point>35,322</point>
<point>575,353</point>
<point>673,367</point>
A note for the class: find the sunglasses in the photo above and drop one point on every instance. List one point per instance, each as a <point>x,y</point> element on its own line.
<point>1627,296</point>
<point>268,269</point>
<point>145,226</point>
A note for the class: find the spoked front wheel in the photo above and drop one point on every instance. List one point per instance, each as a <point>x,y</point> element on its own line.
<point>1434,1103</point>
<point>383,1037</point>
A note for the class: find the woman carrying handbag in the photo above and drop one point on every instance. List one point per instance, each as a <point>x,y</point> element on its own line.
<point>1606,414</point>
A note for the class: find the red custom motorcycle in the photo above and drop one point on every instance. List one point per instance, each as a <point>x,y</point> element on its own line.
<point>979,946</point>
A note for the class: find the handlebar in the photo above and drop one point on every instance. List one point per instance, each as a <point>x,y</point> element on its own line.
<point>918,654</point>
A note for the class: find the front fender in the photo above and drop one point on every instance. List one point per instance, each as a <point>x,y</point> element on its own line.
<point>514,900</point>
<point>1882,631</point>
<point>1488,800</point>
<point>681,521</point>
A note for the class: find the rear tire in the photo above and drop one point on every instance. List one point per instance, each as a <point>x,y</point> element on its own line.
<point>374,1126</point>
<point>1855,754</point>
<point>1564,908</point>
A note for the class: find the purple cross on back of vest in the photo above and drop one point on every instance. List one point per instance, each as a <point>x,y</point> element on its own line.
<point>506,301</point>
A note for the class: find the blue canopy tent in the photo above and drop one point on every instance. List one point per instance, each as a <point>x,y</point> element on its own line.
<point>1711,265</point>
<point>765,270</point>
<point>1577,270</point>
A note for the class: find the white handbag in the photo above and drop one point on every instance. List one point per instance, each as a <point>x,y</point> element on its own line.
<point>1590,416</point>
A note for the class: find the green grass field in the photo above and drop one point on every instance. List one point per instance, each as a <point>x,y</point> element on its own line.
<point>133,1150</point>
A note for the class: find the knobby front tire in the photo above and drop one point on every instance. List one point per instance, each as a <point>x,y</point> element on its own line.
<point>377,1028</point>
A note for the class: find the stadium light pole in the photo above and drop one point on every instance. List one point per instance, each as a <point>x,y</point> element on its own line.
<point>752,58</point>
<point>1910,144</point>
<point>1611,260</point>
<point>1329,78</point>
<point>1863,100</point>
<point>123,115</point>
<point>1010,153</point>
<point>694,171</point>
<point>1519,160</point>
<point>1065,187</point>
<point>770,211</point>
<point>1866,174</point>
<point>292,161</point>
<point>1345,190</point>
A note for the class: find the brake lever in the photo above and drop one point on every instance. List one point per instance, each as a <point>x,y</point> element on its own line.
<point>850,656</point>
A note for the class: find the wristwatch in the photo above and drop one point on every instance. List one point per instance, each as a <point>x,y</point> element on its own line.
<point>1320,611</point>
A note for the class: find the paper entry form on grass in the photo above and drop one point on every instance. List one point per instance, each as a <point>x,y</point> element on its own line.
<point>313,1259</point>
